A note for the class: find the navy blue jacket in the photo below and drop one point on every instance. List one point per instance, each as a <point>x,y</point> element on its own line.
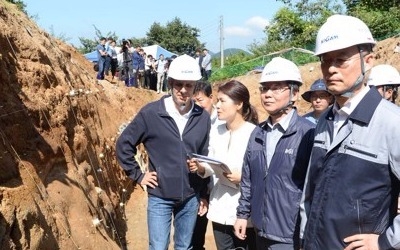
<point>167,151</point>
<point>137,60</point>
<point>353,181</point>
<point>271,195</point>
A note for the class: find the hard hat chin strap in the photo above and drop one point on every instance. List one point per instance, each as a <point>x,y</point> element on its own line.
<point>349,93</point>
<point>360,79</point>
<point>284,109</point>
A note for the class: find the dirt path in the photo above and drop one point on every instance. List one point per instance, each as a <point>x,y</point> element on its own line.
<point>136,236</point>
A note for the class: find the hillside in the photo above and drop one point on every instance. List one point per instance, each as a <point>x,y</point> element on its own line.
<point>60,184</point>
<point>230,52</point>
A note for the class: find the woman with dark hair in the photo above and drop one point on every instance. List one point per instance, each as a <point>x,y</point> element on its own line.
<point>228,143</point>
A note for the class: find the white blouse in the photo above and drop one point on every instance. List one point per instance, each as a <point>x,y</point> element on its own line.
<point>228,147</point>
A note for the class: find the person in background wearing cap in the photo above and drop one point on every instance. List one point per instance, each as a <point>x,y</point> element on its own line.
<point>350,196</point>
<point>319,98</point>
<point>386,79</point>
<point>275,162</point>
<point>170,129</point>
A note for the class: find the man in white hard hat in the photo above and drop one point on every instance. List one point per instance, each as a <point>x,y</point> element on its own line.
<point>352,184</point>
<point>170,129</point>
<point>275,162</point>
<point>386,79</point>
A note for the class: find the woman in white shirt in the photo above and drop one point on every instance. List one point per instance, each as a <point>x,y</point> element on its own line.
<point>228,144</point>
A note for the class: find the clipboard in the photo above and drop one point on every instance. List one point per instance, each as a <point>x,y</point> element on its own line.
<point>218,167</point>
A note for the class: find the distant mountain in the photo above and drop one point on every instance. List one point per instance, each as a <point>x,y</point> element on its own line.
<point>230,52</point>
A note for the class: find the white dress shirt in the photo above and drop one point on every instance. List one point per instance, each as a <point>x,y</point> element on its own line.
<point>228,147</point>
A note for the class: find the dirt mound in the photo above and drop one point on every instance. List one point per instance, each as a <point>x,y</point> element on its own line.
<point>60,184</point>
<point>383,54</point>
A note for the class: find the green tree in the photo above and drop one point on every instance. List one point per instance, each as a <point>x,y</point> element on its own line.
<point>384,5</point>
<point>156,33</point>
<point>144,41</point>
<point>176,36</point>
<point>89,45</point>
<point>381,16</point>
<point>20,4</point>
<point>296,25</point>
<point>287,25</point>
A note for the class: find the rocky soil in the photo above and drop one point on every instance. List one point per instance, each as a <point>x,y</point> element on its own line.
<point>60,184</point>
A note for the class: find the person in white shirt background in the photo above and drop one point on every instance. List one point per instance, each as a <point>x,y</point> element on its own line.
<point>228,144</point>
<point>206,65</point>
<point>160,66</point>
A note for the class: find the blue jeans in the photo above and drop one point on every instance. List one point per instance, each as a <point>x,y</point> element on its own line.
<point>159,216</point>
<point>100,74</point>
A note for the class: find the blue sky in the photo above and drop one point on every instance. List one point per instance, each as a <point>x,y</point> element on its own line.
<point>243,21</point>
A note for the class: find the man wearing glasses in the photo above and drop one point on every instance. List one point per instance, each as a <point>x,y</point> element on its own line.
<point>350,196</point>
<point>276,162</point>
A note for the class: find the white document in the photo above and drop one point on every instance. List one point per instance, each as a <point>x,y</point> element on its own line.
<point>219,168</point>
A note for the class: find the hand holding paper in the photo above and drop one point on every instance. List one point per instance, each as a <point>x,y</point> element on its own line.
<point>234,177</point>
<point>221,170</point>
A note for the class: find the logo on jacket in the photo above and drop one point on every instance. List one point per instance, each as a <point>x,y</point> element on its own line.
<point>289,151</point>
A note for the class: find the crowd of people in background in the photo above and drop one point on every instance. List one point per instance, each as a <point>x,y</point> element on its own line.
<point>327,180</point>
<point>131,65</point>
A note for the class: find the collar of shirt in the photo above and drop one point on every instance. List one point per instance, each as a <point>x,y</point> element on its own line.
<point>351,103</point>
<point>173,111</point>
<point>343,113</point>
<point>283,123</point>
<point>179,119</point>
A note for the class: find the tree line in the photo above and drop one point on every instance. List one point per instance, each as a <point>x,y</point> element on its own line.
<point>176,36</point>
<point>294,25</point>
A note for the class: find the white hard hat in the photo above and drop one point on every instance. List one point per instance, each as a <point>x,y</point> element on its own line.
<point>341,31</point>
<point>281,69</point>
<point>184,67</point>
<point>384,74</point>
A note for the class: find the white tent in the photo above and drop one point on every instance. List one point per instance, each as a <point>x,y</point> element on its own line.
<point>156,51</point>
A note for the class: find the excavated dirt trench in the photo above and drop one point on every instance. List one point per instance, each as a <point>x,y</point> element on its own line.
<point>60,184</point>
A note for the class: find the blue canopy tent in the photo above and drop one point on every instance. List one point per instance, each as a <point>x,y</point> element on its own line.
<point>156,51</point>
<point>92,56</point>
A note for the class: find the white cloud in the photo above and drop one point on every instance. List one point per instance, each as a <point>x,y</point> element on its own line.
<point>252,25</point>
<point>238,31</point>
<point>257,22</point>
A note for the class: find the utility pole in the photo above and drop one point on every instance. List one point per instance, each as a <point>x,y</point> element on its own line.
<point>221,39</point>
